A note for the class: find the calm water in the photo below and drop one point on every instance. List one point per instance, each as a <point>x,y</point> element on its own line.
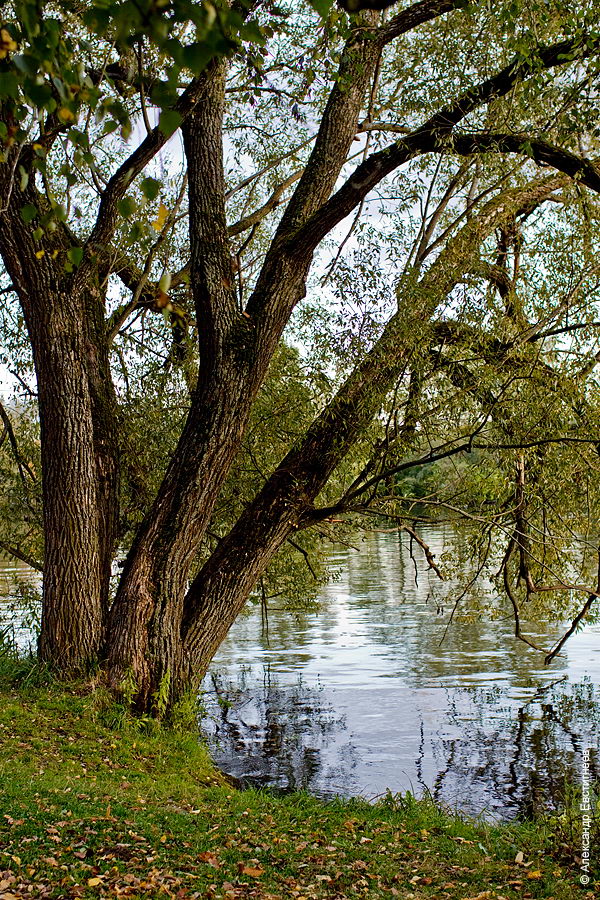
<point>359,697</point>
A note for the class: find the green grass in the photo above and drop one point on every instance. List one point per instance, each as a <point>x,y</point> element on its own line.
<point>94,810</point>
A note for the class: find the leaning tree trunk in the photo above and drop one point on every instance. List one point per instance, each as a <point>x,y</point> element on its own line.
<point>286,501</point>
<point>146,644</point>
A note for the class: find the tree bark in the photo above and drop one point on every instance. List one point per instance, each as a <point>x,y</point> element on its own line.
<point>79,481</point>
<point>77,409</point>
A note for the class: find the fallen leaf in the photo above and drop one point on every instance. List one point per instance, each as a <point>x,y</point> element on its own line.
<point>519,857</point>
<point>94,882</point>
<point>535,874</point>
<point>252,871</point>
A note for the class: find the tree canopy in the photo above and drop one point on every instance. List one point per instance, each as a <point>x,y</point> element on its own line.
<point>282,270</point>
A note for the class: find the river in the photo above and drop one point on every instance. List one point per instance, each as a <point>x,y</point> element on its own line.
<point>359,697</point>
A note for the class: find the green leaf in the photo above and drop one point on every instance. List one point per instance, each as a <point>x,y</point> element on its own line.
<point>197,56</point>
<point>9,86</point>
<point>26,63</point>
<point>252,31</point>
<point>169,121</point>
<point>321,6</point>
<point>75,255</point>
<point>28,213</point>
<point>127,206</point>
<point>150,188</point>
<point>110,126</point>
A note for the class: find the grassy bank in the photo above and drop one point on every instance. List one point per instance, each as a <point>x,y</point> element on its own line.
<point>90,810</point>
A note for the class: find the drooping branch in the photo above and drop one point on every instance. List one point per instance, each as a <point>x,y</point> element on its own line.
<point>429,556</point>
<point>513,600</point>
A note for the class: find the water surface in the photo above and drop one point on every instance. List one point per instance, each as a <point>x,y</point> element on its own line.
<point>360,698</point>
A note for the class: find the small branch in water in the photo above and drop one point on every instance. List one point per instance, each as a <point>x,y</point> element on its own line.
<point>506,576</point>
<point>305,555</point>
<point>429,556</point>
<point>264,610</point>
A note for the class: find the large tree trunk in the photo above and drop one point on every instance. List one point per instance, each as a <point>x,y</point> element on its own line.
<point>77,408</point>
<point>235,351</point>
<point>79,476</point>
<point>145,620</point>
<point>79,479</point>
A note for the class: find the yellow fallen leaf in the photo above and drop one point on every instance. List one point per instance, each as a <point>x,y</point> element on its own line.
<point>40,253</point>
<point>535,874</point>
<point>252,871</point>
<point>94,882</point>
<point>16,860</point>
<point>161,217</point>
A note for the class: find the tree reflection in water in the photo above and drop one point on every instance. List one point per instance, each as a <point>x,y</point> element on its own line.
<point>269,735</point>
<point>485,756</point>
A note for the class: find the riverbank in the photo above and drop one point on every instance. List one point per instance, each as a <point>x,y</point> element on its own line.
<point>92,806</point>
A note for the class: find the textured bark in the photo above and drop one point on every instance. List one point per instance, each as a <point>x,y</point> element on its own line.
<point>79,477</point>
<point>78,439</point>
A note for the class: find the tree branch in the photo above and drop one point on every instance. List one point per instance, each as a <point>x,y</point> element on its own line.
<point>120,181</point>
<point>23,557</point>
<point>435,136</point>
<point>584,171</point>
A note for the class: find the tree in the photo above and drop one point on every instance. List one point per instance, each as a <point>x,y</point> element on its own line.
<point>446,120</point>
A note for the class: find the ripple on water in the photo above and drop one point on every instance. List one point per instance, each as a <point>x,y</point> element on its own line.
<point>361,698</point>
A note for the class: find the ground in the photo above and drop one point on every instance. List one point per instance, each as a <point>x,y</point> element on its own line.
<point>94,805</point>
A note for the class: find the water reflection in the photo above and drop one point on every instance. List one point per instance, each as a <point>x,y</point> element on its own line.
<point>19,603</point>
<point>360,697</point>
